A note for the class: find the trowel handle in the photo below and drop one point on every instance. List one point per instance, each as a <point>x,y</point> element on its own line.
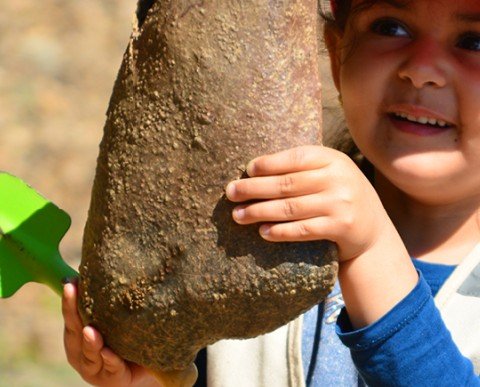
<point>58,274</point>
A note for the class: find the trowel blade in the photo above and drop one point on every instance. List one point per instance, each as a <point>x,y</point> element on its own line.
<point>31,228</point>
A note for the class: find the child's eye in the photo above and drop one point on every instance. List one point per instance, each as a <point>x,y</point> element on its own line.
<point>470,41</point>
<point>389,27</point>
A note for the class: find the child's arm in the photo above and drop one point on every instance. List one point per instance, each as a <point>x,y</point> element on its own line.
<point>100,366</point>
<point>410,346</point>
<point>315,192</point>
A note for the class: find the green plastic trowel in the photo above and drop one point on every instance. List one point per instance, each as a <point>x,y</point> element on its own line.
<point>31,228</point>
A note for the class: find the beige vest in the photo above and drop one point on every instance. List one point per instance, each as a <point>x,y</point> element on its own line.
<point>459,303</point>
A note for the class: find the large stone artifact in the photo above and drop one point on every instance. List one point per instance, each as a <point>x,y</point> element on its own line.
<point>204,87</point>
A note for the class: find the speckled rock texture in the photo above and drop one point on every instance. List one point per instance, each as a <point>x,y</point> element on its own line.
<point>204,87</point>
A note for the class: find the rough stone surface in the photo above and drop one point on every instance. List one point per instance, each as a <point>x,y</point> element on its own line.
<point>204,87</point>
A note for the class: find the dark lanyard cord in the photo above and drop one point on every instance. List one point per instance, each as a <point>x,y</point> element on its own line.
<point>316,344</point>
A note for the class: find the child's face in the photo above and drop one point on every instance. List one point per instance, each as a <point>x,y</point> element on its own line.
<point>421,59</point>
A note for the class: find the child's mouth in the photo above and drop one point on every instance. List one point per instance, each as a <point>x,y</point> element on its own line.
<point>421,120</point>
<point>422,126</point>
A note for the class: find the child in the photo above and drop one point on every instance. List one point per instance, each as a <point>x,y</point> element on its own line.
<point>408,73</point>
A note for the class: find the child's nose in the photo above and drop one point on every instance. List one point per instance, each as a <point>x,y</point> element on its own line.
<point>425,65</point>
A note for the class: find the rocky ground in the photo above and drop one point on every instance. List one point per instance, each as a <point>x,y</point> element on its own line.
<point>58,62</point>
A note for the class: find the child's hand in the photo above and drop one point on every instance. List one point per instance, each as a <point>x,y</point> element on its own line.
<point>98,365</point>
<point>310,193</point>
<point>313,193</point>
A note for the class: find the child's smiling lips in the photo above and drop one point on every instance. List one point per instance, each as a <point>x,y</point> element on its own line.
<point>418,120</point>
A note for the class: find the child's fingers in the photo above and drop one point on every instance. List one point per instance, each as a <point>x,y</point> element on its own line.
<point>299,231</point>
<point>91,360</point>
<point>112,363</point>
<point>278,186</point>
<point>72,335</point>
<point>282,210</point>
<point>289,161</point>
<point>73,323</point>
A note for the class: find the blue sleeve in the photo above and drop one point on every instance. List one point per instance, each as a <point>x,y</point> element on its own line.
<point>409,346</point>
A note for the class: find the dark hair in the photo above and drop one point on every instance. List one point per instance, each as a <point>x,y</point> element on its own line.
<point>337,12</point>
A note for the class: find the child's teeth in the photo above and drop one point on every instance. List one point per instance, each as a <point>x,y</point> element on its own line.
<point>422,120</point>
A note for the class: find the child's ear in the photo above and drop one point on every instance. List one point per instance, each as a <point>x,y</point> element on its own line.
<point>332,40</point>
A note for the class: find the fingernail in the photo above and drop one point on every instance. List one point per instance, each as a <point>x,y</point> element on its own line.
<point>239,213</point>
<point>230,190</point>
<point>88,334</point>
<point>67,289</point>
<point>265,229</point>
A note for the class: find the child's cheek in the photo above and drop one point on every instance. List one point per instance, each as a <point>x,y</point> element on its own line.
<point>466,86</point>
<point>466,66</point>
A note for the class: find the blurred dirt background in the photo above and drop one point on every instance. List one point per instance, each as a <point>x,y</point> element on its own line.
<point>58,63</point>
